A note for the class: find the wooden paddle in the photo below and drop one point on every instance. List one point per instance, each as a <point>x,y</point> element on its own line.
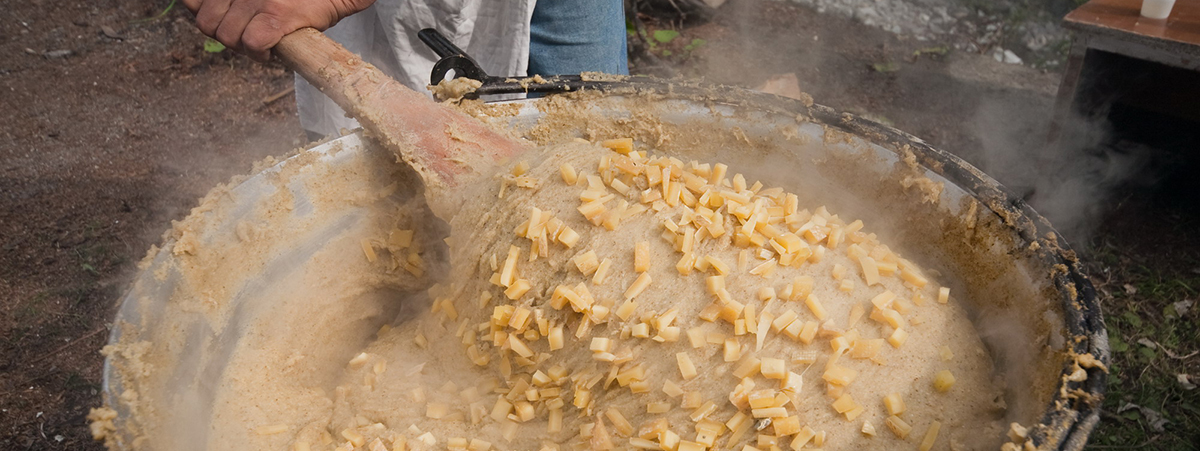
<point>445,146</point>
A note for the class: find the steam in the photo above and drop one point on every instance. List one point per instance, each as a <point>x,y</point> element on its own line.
<point>1007,336</point>
<point>1071,178</point>
<point>997,117</point>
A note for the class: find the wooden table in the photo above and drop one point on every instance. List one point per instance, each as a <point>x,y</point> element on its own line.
<point>1109,33</point>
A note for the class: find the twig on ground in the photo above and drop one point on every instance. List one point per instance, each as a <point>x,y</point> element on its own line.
<point>279,95</point>
<point>68,345</point>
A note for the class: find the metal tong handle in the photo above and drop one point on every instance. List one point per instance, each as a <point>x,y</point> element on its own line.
<point>452,58</point>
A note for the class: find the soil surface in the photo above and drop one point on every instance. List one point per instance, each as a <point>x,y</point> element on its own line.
<point>115,125</point>
<point>99,151</point>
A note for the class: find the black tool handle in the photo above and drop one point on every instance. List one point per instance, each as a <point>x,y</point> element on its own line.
<point>453,59</point>
<point>439,44</point>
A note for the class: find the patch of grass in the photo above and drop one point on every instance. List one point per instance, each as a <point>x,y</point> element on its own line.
<point>1153,343</point>
<point>669,44</point>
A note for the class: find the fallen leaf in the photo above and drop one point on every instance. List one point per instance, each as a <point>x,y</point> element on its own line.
<point>1156,345</point>
<point>1130,289</point>
<point>1185,382</point>
<point>1155,419</point>
<point>111,33</point>
<point>1182,307</point>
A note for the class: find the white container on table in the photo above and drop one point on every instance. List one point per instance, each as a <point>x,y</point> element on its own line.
<point>1157,9</point>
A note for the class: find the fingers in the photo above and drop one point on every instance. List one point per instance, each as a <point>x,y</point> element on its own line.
<point>233,24</point>
<point>255,26</point>
<point>345,8</point>
<point>262,33</point>
<point>192,5</point>
<point>210,15</point>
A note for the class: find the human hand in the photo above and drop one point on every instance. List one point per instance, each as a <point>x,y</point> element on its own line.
<point>255,26</point>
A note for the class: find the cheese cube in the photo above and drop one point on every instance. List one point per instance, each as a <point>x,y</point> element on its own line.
<point>815,306</point>
<point>620,145</point>
<point>641,256</point>
<point>943,380</point>
<point>686,368</point>
<point>930,436</point>
<point>773,368</point>
<point>839,375</point>
<point>898,337</point>
<point>803,437</point>
<point>786,426</point>
<point>870,270</point>
<point>894,404</point>
<point>898,426</point>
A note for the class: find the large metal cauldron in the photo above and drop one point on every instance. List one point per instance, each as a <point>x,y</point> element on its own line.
<point>1021,283</point>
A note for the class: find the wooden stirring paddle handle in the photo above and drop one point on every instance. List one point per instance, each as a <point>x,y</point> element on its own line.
<point>444,145</point>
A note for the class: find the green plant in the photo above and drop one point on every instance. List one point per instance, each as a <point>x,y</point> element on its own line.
<point>665,36</point>
<point>659,39</point>
<point>213,46</point>
<point>160,14</point>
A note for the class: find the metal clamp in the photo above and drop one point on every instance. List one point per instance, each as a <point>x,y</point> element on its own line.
<point>452,59</point>
<point>455,59</point>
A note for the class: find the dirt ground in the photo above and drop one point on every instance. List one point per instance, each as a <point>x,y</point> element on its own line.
<point>101,148</point>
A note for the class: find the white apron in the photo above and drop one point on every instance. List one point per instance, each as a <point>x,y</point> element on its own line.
<point>494,32</point>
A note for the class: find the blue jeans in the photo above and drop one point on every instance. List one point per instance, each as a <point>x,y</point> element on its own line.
<point>573,36</point>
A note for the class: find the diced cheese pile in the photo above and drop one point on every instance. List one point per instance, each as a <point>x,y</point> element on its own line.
<point>529,323</point>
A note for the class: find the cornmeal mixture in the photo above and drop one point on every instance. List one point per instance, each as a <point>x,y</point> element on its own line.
<point>601,297</point>
<point>595,306</point>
